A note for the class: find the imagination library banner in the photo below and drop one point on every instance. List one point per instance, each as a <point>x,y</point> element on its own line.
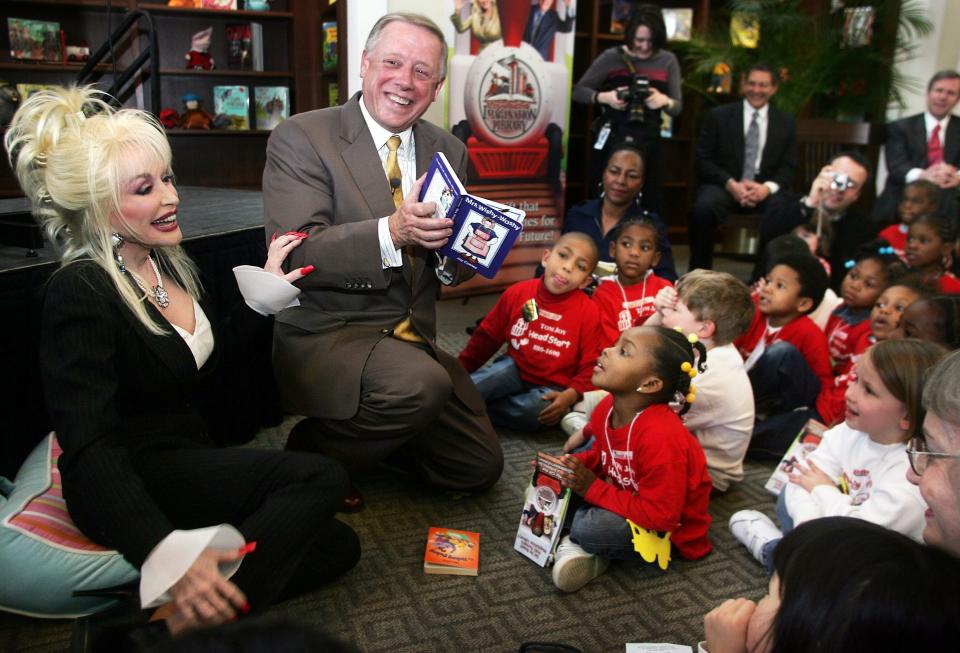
<point>508,99</point>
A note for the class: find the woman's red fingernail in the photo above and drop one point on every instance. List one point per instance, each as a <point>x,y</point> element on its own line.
<point>249,547</point>
<point>245,608</point>
<point>307,269</point>
<point>273,237</point>
<point>301,234</point>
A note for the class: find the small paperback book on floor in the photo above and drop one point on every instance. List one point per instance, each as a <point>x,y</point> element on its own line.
<point>483,230</point>
<point>452,552</point>
<point>806,442</point>
<point>544,508</point>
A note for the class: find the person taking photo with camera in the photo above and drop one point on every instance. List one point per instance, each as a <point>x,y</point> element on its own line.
<point>829,203</point>
<point>632,84</point>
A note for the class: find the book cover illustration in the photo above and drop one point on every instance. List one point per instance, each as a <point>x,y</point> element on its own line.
<point>239,52</point>
<point>483,230</point>
<point>227,5</point>
<point>35,40</point>
<point>451,551</point>
<point>329,52</point>
<point>858,26</point>
<point>679,23</point>
<point>805,443</point>
<point>544,508</point>
<point>621,11</point>
<point>271,105</point>
<point>744,30</point>
<point>333,94</point>
<point>234,103</point>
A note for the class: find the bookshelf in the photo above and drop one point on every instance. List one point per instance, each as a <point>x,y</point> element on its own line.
<point>292,57</point>
<point>677,153</point>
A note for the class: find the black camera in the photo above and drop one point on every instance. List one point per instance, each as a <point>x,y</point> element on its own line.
<point>635,95</point>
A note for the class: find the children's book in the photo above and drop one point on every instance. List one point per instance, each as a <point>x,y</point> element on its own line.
<point>271,105</point>
<point>807,440</point>
<point>451,552</point>
<point>544,508</point>
<point>244,46</point>
<point>329,52</point>
<point>228,5</point>
<point>234,103</point>
<point>26,90</point>
<point>37,40</point>
<point>483,230</point>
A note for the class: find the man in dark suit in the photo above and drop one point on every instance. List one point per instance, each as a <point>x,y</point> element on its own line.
<point>747,152</point>
<point>924,146</point>
<point>359,355</point>
<point>829,202</point>
<point>543,23</point>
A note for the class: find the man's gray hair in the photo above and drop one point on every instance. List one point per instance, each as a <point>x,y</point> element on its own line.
<point>941,393</point>
<point>373,39</point>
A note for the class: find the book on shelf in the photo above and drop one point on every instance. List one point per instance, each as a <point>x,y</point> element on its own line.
<point>271,105</point>
<point>333,94</point>
<point>227,5</point>
<point>330,56</point>
<point>234,103</point>
<point>545,505</point>
<point>451,551</point>
<point>244,46</point>
<point>35,40</point>
<point>679,23</point>
<point>621,11</point>
<point>803,445</point>
<point>483,230</point>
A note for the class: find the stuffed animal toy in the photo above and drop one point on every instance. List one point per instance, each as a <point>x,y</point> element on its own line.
<point>193,116</point>
<point>198,58</point>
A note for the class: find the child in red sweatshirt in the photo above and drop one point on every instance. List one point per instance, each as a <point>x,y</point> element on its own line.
<point>919,198</point>
<point>626,298</point>
<point>786,353</point>
<point>553,334</point>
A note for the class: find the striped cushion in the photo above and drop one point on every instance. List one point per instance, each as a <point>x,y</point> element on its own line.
<point>45,517</point>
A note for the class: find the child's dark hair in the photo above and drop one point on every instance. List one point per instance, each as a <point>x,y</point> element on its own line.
<point>780,247</point>
<point>636,221</point>
<point>914,281</point>
<point>940,223</point>
<point>881,252</point>
<point>847,584</point>
<point>813,278</point>
<point>930,189</point>
<point>669,360</point>
<point>946,318</point>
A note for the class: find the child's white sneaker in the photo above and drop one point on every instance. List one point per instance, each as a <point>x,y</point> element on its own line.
<point>573,567</point>
<point>753,529</point>
<point>573,422</point>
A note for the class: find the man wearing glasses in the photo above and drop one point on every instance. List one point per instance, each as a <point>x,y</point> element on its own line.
<point>829,205</point>
<point>934,465</point>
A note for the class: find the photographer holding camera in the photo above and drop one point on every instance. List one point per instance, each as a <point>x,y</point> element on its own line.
<point>830,200</point>
<point>632,84</point>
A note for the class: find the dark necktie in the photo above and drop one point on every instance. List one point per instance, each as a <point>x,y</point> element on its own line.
<point>751,148</point>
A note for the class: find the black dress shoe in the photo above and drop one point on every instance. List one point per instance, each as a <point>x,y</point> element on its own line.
<point>354,501</point>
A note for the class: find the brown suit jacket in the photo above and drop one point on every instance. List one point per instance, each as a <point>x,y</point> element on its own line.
<point>323,176</point>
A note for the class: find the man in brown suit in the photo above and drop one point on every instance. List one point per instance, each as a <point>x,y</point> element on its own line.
<point>359,355</point>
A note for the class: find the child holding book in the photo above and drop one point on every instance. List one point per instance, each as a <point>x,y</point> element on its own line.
<point>859,469</point>
<point>645,466</point>
<point>553,334</point>
<point>786,354</point>
<point>919,198</point>
<point>626,299</point>
<point>930,244</point>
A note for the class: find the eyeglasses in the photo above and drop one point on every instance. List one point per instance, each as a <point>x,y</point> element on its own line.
<point>920,457</point>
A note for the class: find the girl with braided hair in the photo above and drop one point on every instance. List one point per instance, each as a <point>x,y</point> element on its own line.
<point>645,470</point>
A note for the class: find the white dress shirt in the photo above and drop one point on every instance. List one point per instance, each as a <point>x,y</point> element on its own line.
<point>763,121</point>
<point>929,122</point>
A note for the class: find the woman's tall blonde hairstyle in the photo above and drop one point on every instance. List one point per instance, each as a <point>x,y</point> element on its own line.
<point>67,147</point>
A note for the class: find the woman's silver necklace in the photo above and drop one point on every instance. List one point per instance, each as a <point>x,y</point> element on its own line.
<point>158,292</point>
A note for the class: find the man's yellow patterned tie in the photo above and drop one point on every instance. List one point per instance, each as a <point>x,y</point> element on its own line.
<point>404,330</point>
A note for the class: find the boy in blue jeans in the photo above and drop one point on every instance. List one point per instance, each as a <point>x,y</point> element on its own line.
<point>553,334</point>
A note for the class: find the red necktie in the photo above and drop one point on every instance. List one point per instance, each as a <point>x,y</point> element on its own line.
<point>934,148</point>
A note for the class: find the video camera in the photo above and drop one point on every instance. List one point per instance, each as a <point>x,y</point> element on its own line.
<point>635,95</point>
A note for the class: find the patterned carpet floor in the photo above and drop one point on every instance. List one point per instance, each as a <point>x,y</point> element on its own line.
<point>387,603</point>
